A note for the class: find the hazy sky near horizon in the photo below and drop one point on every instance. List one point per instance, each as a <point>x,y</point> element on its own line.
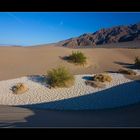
<point>33,28</point>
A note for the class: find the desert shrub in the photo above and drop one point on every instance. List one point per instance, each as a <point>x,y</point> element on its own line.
<point>60,77</point>
<point>137,61</point>
<point>127,71</point>
<point>19,88</point>
<point>77,58</point>
<point>102,78</point>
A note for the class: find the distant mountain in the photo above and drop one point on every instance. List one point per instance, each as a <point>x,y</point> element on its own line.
<point>9,45</point>
<point>42,45</point>
<point>104,36</point>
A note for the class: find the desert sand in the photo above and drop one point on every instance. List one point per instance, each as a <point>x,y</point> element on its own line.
<point>118,92</point>
<point>18,64</point>
<point>17,61</point>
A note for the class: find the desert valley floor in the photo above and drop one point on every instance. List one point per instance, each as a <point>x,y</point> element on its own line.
<point>16,62</point>
<point>21,61</point>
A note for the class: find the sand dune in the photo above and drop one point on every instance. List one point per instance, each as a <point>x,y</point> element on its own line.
<point>17,61</point>
<point>119,92</point>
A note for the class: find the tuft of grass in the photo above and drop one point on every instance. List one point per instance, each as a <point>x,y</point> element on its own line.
<point>137,61</point>
<point>60,77</point>
<point>77,58</point>
<point>19,88</point>
<point>127,71</point>
<point>102,78</point>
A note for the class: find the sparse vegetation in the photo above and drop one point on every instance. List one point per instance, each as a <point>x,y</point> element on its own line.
<point>102,78</point>
<point>127,71</point>
<point>98,80</point>
<point>60,77</point>
<point>77,58</point>
<point>19,88</point>
<point>137,61</point>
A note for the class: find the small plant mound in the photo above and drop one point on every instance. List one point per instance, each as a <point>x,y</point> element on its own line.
<point>127,71</point>
<point>77,58</point>
<point>137,61</point>
<point>102,78</point>
<point>60,77</point>
<point>95,84</point>
<point>19,88</point>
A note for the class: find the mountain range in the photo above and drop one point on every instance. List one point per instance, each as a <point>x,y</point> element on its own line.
<point>104,36</point>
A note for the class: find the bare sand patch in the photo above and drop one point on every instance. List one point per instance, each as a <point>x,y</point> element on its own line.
<point>17,61</point>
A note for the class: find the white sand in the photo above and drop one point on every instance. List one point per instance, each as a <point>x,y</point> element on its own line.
<point>120,92</point>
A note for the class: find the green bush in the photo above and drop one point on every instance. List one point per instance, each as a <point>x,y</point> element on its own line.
<point>60,77</point>
<point>137,60</point>
<point>77,58</point>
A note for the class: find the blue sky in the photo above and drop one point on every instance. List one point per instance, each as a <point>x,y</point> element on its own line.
<point>32,28</point>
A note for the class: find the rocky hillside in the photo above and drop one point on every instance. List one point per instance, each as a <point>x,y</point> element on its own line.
<point>104,36</point>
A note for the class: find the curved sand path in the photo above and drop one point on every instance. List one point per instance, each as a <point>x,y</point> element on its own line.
<point>120,92</point>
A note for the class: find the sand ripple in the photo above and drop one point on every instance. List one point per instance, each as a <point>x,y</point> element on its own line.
<point>121,91</point>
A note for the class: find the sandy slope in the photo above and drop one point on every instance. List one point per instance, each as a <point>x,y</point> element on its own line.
<point>16,61</point>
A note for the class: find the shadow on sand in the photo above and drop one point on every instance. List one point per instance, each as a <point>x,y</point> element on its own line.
<point>127,65</point>
<point>117,96</point>
<point>128,116</point>
<point>87,77</point>
<point>37,78</point>
<point>40,79</point>
<point>66,58</point>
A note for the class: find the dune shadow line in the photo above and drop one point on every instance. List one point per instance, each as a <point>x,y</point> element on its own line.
<point>127,65</point>
<point>121,95</point>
